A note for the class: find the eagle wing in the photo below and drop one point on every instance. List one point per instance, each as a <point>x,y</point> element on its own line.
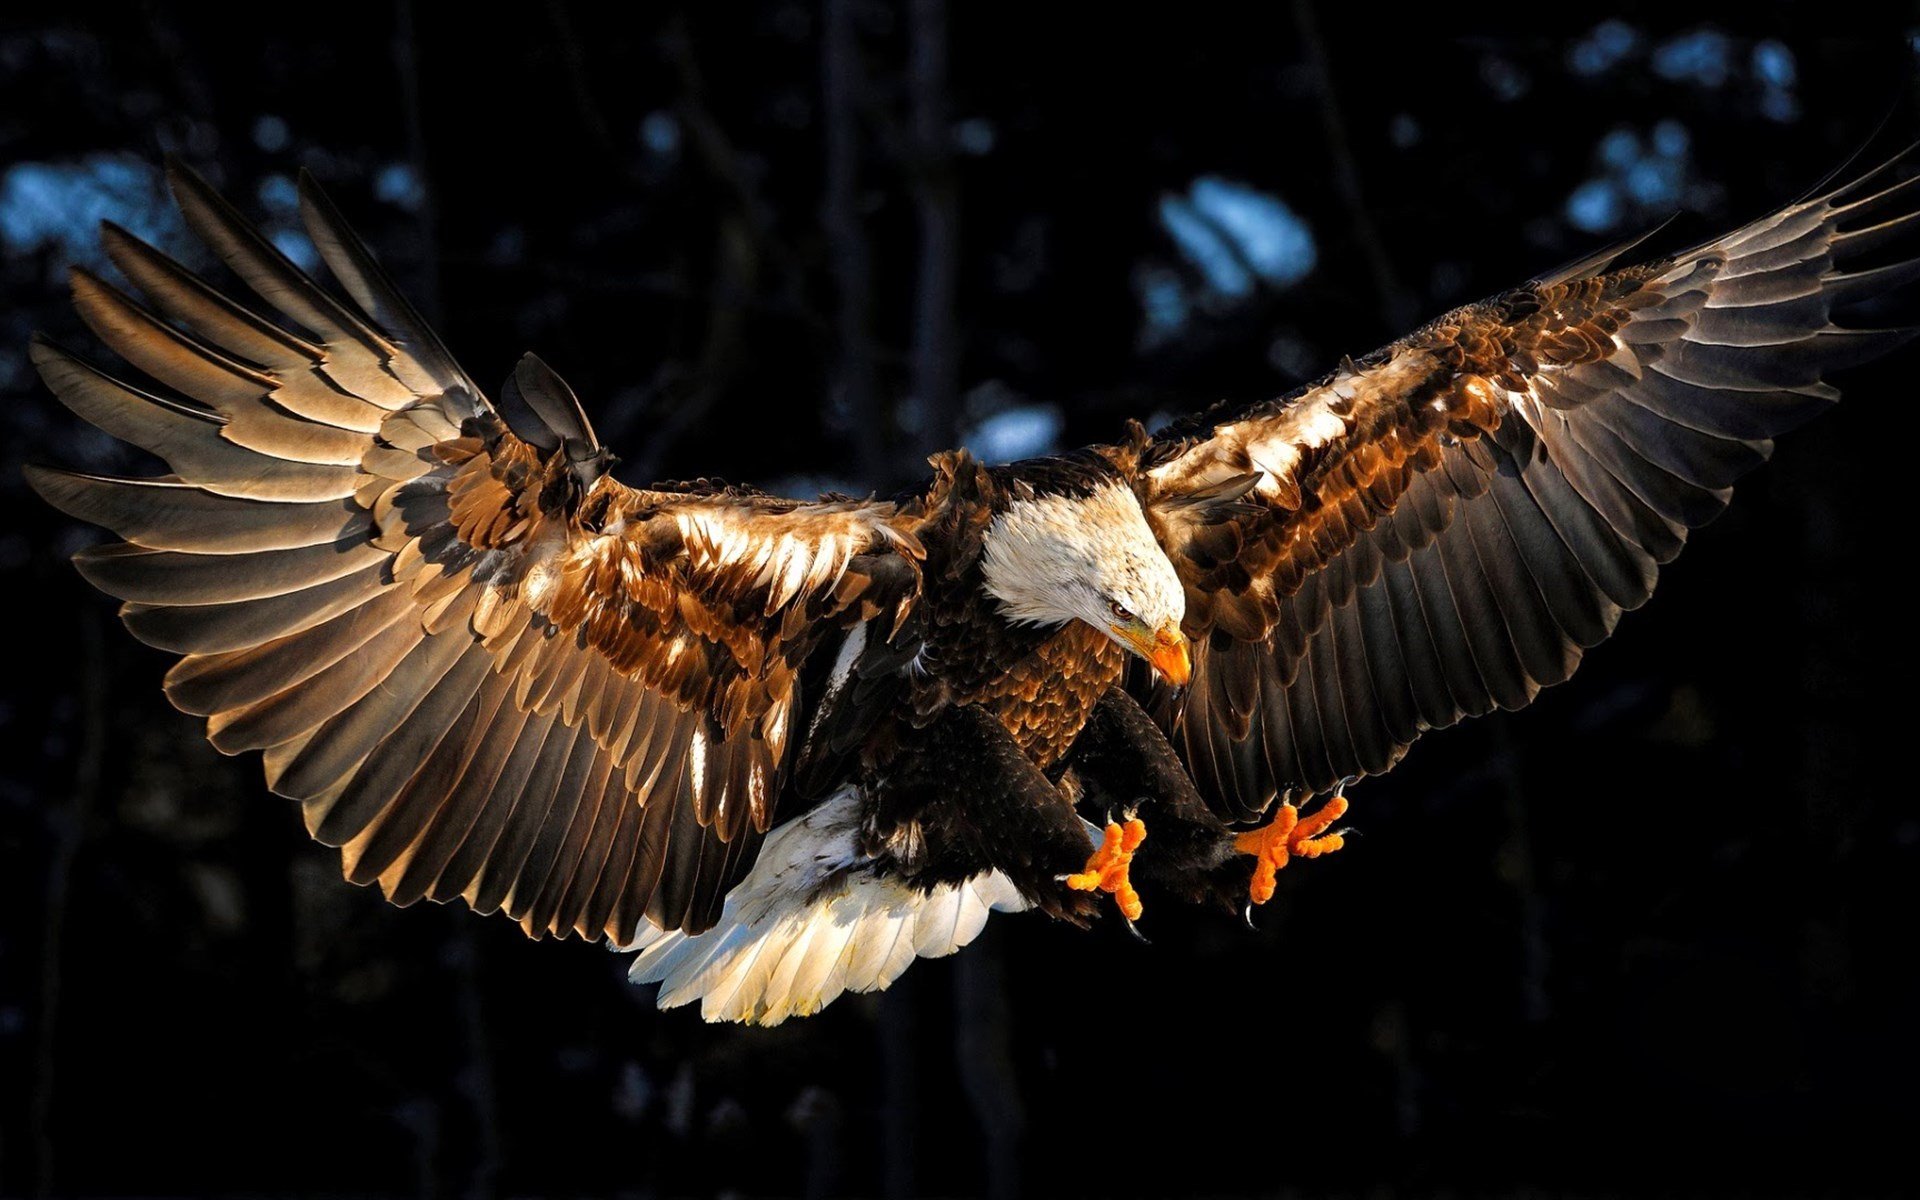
<point>1441,528</point>
<point>484,667</point>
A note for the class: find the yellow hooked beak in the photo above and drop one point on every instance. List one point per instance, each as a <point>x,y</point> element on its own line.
<point>1165,650</point>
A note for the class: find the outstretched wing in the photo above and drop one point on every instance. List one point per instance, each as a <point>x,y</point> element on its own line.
<point>484,667</point>
<point>1441,528</point>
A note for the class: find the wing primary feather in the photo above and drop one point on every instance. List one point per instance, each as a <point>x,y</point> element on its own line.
<point>499,872</point>
<point>167,514</point>
<point>130,572</point>
<point>343,742</point>
<point>354,265</point>
<point>548,911</point>
<point>414,780</point>
<point>271,695</point>
<point>239,624</point>
<point>261,266</point>
<point>542,876</point>
<point>367,805</point>
<point>494,765</point>
<point>188,299</point>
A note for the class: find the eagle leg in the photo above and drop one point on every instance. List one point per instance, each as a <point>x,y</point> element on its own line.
<point>1108,869</point>
<point>1287,836</point>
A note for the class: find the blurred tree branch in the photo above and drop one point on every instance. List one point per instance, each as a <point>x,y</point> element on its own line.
<point>1398,306</point>
<point>843,83</point>
<point>743,240</point>
<point>937,205</point>
<point>983,1050</point>
<point>69,828</point>
<point>599,132</point>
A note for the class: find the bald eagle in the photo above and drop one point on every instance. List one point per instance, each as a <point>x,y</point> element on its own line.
<point>780,748</point>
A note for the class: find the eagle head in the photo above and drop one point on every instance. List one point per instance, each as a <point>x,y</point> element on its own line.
<point>1060,557</point>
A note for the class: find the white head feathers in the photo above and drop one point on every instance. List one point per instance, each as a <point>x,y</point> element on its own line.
<point>1058,558</point>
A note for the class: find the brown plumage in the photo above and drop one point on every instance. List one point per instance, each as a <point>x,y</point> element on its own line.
<point>1441,528</point>
<point>489,670</point>
<point>438,632</point>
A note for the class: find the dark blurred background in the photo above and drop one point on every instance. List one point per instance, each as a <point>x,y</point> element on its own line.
<point>1653,935</point>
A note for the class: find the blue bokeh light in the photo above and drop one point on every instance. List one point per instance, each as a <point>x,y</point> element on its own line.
<point>59,205</point>
<point>1232,233</point>
<point>1605,46</point>
<point>1703,57</point>
<point>1024,431</point>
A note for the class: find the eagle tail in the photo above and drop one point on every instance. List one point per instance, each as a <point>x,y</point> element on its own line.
<point>813,920</point>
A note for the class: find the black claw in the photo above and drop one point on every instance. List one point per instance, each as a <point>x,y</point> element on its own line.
<point>1246,914</point>
<point>1135,931</point>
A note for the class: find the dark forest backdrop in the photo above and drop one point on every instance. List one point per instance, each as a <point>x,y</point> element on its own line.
<point>1655,934</point>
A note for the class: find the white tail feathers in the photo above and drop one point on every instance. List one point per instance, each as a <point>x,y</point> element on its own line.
<point>811,921</point>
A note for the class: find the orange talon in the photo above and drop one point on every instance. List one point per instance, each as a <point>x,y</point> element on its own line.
<point>1107,869</point>
<point>1287,835</point>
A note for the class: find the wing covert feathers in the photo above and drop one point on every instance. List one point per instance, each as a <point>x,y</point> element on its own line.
<point>484,667</point>
<point>1441,528</point>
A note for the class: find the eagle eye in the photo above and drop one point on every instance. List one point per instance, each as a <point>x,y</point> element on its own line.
<point>1120,611</point>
